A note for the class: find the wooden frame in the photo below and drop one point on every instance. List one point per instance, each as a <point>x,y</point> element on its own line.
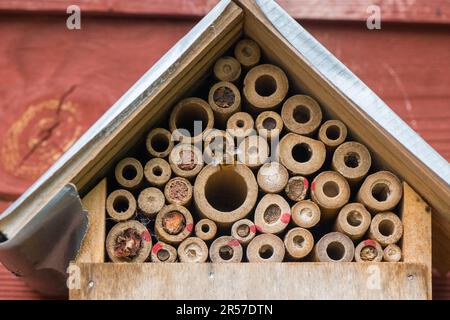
<point>409,279</point>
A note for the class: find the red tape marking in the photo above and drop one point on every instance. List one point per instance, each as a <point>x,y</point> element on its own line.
<point>312,186</point>
<point>145,235</point>
<point>253,228</point>
<point>157,247</point>
<point>286,217</point>
<point>305,183</point>
<point>258,228</point>
<point>234,243</point>
<point>371,243</point>
<point>189,227</point>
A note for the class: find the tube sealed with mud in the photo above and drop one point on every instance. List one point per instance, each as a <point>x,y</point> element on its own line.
<point>225,100</point>
<point>301,115</point>
<point>334,247</point>
<point>173,224</point>
<point>225,249</point>
<point>225,194</point>
<point>368,251</point>
<point>163,253</point>
<point>266,248</point>
<point>265,87</point>
<point>129,173</point>
<point>186,160</point>
<point>247,52</point>
<point>128,242</point>
<point>272,214</point>
<point>297,188</point>
<point>178,191</point>
<point>272,177</point>
<point>121,205</point>
<point>151,201</point>
<point>380,191</point>
<point>298,242</point>
<point>193,250</point>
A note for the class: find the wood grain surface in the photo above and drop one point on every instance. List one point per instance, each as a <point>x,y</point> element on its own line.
<point>43,62</point>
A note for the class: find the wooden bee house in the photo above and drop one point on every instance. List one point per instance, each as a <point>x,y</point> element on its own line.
<point>62,216</point>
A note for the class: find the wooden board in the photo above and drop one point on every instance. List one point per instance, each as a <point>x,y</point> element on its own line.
<point>251,281</point>
<point>418,11</point>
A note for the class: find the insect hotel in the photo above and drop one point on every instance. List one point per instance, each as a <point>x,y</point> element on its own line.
<point>248,163</point>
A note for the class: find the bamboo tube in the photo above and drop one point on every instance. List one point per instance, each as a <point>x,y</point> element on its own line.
<point>227,69</point>
<point>272,214</point>
<point>247,52</point>
<point>272,177</point>
<point>240,125</point>
<point>266,248</point>
<point>269,125</point>
<point>392,253</point>
<point>331,192</point>
<point>386,228</point>
<point>380,192</point>
<point>163,253</point>
<point>193,250</point>
<point>298,242</point>
<point>225,194</point>
<point>305,214</point>
<point>151,201</point>
<point>301,155</point>
<point>301,115</point>
<point>332,133</point>
<point>243,230</point>
<point>178,191</point>
<point>129,173</point>
<point>185,119</point>
<point>225,249</point>
<point>352,160</point>
<point>157,172</point>
<point>186,160</point>
<point>121,205</point>
<point>128,241</point>
<point>297,188</point>
<point>159,143</point>
<point>218,147</point>
<point>334,247</point>
<point>368,251</point>
<point>205,229</point>
<point>225,100</point>
<point>253,151</point>
<point>265,87</point>
<point>353,220</point>
<point>173,224</point>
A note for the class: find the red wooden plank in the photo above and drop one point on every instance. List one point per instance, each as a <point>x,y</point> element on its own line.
<point>417,11</point>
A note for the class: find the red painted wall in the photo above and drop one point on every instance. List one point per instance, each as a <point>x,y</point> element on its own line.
<point>56,82</point>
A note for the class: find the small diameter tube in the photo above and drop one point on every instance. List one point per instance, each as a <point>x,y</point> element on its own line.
<point>272,177</point>
<point>173,224</point>
<point>386,228</point>
<point>240,125</point>
<point>121,205</point>
<point>247,52</point>
<point>297,188</point>
<point>178,191</point>
<point>332,133</point>
<point>225,249</point>
<point>243,230</point>
<point>298,242</point>
<point>301,155</point>
<point>301,115</point>
<point>334,247</point>
<point>128,241</point>
<point>380,192</point>
<point>392,253</point>
<point>305,214</point>
<point>129,173</point>
<point>163,253</point>
<point>253,151</point>
<point>353,220</point>
<point>151,201</point>
<point>159,143</point>
<point>269,125</point>
<point>331,192</point>
<point>272,214</point>
<point>193,250</point>
<point>352,160</point>
<point>368,251</point>
<point>227,69</point>
<point>157,172</point>
<point>205,229</point>
<point>266,248</point>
